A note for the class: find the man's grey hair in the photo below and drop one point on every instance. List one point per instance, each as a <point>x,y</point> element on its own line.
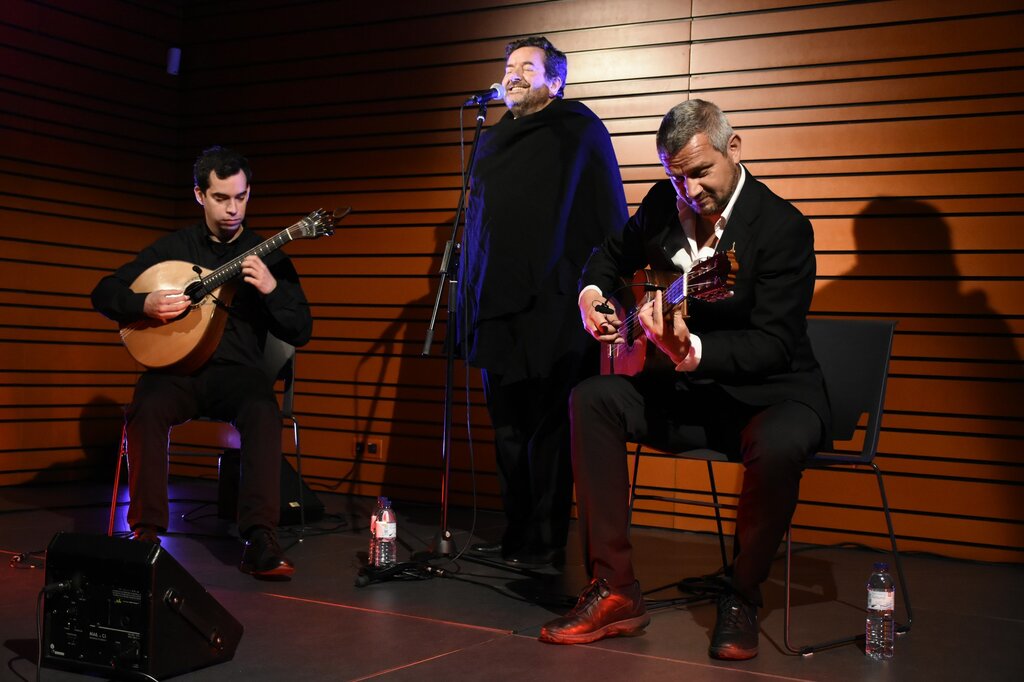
<point>690,118</point>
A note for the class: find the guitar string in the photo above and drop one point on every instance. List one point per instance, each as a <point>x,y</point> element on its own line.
<point>699,270</point>
<point>670,292</point>
<point>260,249</point>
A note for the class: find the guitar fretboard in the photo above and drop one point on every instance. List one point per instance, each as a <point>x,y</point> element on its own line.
<point>231,269</point>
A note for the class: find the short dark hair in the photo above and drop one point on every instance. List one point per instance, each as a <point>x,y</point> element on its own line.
<point>690,118</point>
<point>555,63</point>
<point>222,161</point>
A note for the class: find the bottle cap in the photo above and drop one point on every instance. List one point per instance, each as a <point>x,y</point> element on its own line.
<point>881,566</point>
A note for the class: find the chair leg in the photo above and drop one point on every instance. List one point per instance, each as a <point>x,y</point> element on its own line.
<point>632,486</point>
<point>809,649</point>
<point>298,470</point>
<point>904,627</point>
<point>122,453</point>
<point>718,515</point>
<point>900,628</point>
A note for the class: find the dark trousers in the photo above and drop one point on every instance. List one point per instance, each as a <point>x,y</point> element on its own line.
<point>773,443</point>
<point>233,393</point>
<point>531,440</point>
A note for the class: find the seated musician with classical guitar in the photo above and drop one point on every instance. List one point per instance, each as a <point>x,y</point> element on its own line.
<point>740,375</point>
<point>219,378</point>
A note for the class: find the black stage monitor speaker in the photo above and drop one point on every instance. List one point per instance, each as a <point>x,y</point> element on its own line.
<point>227,492</point>
<point>115,606</point>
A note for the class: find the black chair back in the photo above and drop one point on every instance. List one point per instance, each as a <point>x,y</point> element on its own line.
<point>854,358</point>
<point>279,363</point>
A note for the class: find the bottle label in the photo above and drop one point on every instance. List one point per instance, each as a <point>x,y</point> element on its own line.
<point>386,530</point>
<point>878,600</point>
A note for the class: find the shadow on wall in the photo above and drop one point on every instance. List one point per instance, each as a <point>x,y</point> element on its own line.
<point>976,332</point>
<point>947,327</point>
<point>399,397</point>
<point>99,430</point>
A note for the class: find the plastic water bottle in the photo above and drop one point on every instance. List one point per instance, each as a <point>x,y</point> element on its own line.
<point>385,532</point>
<point>880,628</point>
<point>372,551</point>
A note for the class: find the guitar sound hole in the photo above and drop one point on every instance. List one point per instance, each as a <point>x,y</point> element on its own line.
<point>195,292</point>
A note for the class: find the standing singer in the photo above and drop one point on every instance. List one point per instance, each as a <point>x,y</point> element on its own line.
<point>545,190</point>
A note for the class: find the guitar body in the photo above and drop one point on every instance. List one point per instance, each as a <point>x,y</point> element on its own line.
<point>708,280</point>
<point>631,357</point>
<point>184,344</point>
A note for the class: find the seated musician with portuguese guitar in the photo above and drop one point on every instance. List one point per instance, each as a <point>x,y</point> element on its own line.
<point>200,330</point>
<point>738,373</point>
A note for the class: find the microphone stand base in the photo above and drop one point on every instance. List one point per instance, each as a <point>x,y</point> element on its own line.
<point>444,544</point>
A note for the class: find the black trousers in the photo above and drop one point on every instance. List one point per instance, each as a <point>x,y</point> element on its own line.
<point>532,448</point>
<point>233,393</point>
<point>773,443</point>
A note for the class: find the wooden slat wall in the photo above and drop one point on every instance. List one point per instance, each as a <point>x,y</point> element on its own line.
<point>88,143</point>
<point>895,126</point>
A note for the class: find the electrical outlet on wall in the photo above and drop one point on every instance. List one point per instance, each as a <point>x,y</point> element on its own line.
<point>368,448</point>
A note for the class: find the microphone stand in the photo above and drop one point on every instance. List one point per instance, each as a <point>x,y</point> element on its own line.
<point>444,544</point>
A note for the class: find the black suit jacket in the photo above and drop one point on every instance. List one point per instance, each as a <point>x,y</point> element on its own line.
<point>755,344</point>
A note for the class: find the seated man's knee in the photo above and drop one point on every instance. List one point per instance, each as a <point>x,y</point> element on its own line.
<point>259,410</point>
<point>780,443</point>
<point>589,395</point>
<point>154,410</point>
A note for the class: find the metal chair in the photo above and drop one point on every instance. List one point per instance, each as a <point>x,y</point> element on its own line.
<point>854,358</point>
<point>278,362</point>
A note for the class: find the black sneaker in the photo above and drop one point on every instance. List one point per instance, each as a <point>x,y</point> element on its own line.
<point>263,556</point>
<point>735,636</point>
<point>146,534</point>
<point>486,550</point>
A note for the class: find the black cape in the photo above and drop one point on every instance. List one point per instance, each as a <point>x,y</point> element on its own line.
<point>545,191</point>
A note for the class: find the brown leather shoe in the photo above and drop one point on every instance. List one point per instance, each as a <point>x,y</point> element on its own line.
<point>602,611</point>
<point>263,556</point>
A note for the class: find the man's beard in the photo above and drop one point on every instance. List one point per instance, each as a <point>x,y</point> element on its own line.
<point>532,101</point>
<point>718,201</point>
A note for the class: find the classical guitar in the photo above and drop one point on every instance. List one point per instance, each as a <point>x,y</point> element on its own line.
<point>709,279</point>
<point>187,342</point>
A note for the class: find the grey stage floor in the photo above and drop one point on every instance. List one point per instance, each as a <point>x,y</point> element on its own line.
<point>481,622</point>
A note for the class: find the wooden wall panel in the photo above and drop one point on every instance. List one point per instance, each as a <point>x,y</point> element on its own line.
<point>896,126</point>
<point>89,120</point>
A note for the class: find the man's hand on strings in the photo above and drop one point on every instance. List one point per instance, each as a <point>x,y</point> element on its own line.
<point>670,334</point>
<point>165,304</point>
<point>256,273</point>
<point>603,326</point>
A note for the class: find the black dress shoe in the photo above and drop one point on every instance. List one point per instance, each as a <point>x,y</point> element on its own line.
<point>486,550</point>
<point>735,636</point>
<point>602,611</point>
<point>146,534</point>
<point>263,556</point>
<point>541,558</point>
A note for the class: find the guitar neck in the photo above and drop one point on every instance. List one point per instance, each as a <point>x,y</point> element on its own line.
<point>673,294</point>
<point>232,268</point>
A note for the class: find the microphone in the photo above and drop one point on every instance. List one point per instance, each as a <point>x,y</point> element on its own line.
<point>497,91</point>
